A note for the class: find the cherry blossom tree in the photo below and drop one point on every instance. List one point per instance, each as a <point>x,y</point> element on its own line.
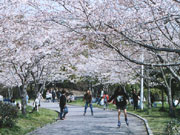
<point>23,43</point>
<point>130,28</point>
<point>68,39</point>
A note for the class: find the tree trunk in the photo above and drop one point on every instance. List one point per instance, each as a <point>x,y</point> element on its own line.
<point>169,94</point>
<point>42,89</point>
<point>36,89</point>
<point>10,93</point>
<point>23,98</point>
<point>149,90</point>
<point>170,101</point>
<point>162,99</point>
<point>149,95</point>
<point>171,108</point>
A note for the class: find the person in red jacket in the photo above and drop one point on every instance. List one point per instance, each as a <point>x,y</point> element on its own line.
<point>105,98</point>
<point>121,97</point>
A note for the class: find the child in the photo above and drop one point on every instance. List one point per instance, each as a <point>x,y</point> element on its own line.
<point>121,98</point>
<point>36,105</point>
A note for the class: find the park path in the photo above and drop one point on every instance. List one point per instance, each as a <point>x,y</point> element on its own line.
<point>102,123</point>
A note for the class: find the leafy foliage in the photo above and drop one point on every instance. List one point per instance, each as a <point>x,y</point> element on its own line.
<point>8,115</point>
<point>173,127</point>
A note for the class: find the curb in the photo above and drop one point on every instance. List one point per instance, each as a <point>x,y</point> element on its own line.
<point>149,131</point>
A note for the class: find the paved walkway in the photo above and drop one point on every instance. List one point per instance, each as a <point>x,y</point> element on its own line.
<point>102,123</point>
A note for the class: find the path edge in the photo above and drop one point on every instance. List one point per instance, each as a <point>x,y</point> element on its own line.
<point>149,131</point>
<point>34,131</point>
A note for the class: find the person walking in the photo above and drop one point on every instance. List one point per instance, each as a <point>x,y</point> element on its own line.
<point>88,101</point>
<point>135,99</point>
<point>105,98</point>
<point>121,97</point>
<point>63,107</point>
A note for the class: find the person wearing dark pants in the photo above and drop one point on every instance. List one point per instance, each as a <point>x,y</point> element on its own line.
<point>120,96</point>
<point>62,105</point>
<point>88,101</point>
<point>53,96</point>
<point>135,99</point>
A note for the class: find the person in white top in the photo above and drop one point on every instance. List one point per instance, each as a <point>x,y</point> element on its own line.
<point>36,105</point>
<point>39,96</point>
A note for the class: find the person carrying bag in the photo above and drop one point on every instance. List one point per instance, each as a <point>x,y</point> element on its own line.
<point>63,107</point>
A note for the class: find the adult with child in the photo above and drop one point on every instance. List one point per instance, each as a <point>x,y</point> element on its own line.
<point>121,98</point>
<point>62,105</point>
<point>88,102</point>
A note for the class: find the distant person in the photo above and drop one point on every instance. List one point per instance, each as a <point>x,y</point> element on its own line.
<point>18,105</point>
<point>135,99</point>
<point>88,101</point>
<point>48,96</point>
<point>39,96</point>
<point>152,100</point>
<point>58,93</point>
<point>53,95</point>
<point>27,99</point>
<point>121,98</point>
<point>98,99</point>
<point>36,105</point>
<point>102,93</point>
<point>62,105</point>
<point>105,98</point>
<point>1,98</point>
<point>13,102</point>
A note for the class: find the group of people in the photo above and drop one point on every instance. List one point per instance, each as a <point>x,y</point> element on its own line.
<point>51,95</point>
<point>136,98</point>
<point>120,96</point>
<point>14,103</point>
<point>103,99</point>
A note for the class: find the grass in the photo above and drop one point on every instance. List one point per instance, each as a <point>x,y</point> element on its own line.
<point>157,120</point>
<point>30,122</point>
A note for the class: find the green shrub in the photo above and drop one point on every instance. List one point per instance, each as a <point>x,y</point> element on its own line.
<point>8,115</point>
<point>173,127</point>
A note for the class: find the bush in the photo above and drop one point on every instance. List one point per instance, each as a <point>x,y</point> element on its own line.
<point>8,115</point>
<point>173,127</point>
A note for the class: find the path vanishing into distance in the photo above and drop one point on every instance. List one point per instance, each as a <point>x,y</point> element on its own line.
<point>102,123</point>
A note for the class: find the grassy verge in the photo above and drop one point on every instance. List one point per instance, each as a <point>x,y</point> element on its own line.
<point>30,122</point>
<point>157,120</point>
